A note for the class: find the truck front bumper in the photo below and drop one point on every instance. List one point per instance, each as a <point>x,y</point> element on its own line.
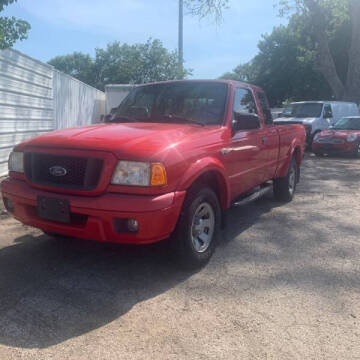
<point>96,218</point>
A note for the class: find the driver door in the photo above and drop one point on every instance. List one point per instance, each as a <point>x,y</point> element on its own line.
<point>244,156</point>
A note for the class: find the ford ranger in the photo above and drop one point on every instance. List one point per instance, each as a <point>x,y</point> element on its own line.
<point>167,164</point>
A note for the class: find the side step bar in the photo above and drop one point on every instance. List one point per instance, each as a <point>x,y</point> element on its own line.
<point>254,196</point>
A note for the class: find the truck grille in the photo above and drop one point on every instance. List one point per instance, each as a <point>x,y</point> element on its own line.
<point>62,171</point>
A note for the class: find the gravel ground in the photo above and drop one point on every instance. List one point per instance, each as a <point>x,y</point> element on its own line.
<point>283,284</point>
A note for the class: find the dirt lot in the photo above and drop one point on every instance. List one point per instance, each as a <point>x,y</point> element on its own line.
<point>283,284</point>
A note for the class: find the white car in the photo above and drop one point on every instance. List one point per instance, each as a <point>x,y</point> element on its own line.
<point>316,115</point>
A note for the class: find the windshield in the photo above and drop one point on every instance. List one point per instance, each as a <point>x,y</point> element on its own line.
<point>306,110</point>
<point>188,102</point>
<point>348,124</point>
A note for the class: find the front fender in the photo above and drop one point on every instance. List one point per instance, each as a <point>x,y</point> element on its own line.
<point>202,166</point>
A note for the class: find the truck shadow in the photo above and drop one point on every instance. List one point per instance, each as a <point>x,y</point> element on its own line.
<point>51,291</point>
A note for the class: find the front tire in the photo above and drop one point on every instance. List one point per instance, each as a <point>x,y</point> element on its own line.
<point>195,237</point>
<point>356,152</point>
<point>284,188</point>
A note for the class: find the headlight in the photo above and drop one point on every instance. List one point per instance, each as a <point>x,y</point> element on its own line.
<point>351,137</point>
<point>16,162</point>
<point>135,173</point>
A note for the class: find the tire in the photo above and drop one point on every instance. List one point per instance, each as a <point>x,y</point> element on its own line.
<point>318,154</point>
<point>311,140</point>
<point>200,217</point>
<point>356,152</point>
<point>284,188</point>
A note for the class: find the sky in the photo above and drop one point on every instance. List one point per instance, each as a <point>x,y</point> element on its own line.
<point>60,27</point>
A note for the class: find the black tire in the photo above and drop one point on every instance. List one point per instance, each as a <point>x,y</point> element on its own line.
<point>311,140</point>
<point>184,240</point>
<point>284,188</point>
<point>318,154</point>
<point>356,152</point>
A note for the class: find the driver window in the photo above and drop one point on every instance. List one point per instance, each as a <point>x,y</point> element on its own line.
<point>244,102</point>
<point>327,112</point>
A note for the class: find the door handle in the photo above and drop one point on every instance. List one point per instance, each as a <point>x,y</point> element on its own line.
<point>264,140</point>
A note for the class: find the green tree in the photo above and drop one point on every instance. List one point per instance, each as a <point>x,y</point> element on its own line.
<point>122,64</point>
<point>323,17</point>
<point>11,28</point>
<point>284,67</point>
<point>78,65</point>
<point>331,39</point>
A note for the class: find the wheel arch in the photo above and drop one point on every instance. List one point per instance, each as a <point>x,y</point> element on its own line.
<point>295,151</point>
<point>211,173</point>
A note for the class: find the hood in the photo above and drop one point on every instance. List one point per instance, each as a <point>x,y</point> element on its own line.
<point>296,120</point>
<point>135,139</point>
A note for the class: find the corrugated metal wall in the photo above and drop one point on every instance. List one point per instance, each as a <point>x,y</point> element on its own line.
<point>76,103</point>
<point>26,101</point>
<point>35,98</point>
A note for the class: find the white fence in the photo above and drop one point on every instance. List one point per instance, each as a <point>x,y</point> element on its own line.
<point>76,103</point>
<point>36,98</point>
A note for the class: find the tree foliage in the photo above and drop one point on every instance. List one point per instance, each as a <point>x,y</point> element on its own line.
<point>324,38</point>
<point>323,18</point>
<point>285,65</point>
<point>203,8</point>
<point>11,28</point>
<point>122,64</point>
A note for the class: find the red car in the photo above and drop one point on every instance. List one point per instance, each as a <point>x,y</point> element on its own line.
<point>169,162</point>
<point>343,137</point>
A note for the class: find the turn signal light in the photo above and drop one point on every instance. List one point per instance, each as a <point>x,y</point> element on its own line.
<point>158,175</point>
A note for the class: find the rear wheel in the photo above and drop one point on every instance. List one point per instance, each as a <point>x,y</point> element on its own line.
<point>284,188</point>
<point>194,239</point>
<point>318,153</point>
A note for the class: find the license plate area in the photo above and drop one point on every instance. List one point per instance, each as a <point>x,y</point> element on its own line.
<point>53,209</point>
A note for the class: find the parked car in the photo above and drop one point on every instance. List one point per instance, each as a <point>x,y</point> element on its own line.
<point>317,115</point>
<point>343,137</point>
<point>276,112</point>
<point>169,163</point>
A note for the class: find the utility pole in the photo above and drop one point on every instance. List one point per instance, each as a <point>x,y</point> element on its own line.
<point>181,36</point>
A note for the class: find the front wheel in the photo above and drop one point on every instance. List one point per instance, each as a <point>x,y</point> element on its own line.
<point>194,239</point>
<point>356,152</point>
<point>284,188</point>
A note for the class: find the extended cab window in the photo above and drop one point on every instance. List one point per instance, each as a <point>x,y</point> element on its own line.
<point>265,108</point>
<point>179,102</point>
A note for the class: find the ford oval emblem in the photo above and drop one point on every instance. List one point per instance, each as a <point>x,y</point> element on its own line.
<point>58,171</point>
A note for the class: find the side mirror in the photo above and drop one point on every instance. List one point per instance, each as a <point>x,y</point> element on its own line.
<point>245,121</point>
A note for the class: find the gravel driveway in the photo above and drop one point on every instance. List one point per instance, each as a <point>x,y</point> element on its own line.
<point>283,284</point>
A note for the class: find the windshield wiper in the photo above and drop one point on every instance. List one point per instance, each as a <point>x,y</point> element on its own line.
<point>183,119</point>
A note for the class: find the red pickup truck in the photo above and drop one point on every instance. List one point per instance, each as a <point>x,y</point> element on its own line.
<point>167,164</point>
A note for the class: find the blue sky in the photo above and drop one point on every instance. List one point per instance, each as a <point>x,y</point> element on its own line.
<point>60,27</point>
